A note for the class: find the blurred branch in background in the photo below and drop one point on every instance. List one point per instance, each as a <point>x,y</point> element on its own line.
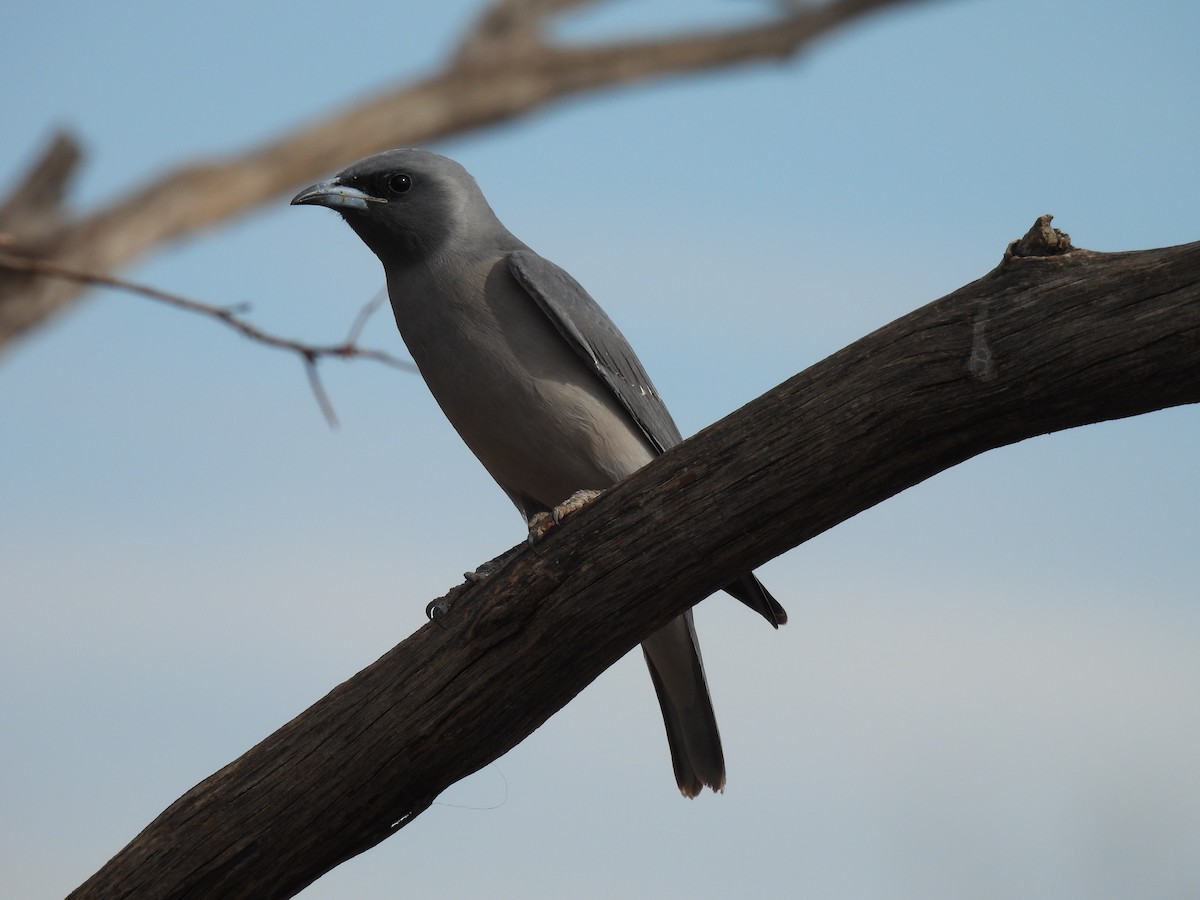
<point>504,67</point>
<point>310,354</point>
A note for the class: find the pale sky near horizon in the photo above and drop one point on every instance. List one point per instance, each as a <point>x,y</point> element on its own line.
<point>989,684</point>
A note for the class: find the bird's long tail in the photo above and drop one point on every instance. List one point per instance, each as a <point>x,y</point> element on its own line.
<point>673,655</point>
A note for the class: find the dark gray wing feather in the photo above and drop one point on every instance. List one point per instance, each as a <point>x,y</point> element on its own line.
<point>592,334</point>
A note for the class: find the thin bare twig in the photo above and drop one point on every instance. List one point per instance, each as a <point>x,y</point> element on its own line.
<point>310,354</point>
<point>318,389</point>
<point>360,321</point>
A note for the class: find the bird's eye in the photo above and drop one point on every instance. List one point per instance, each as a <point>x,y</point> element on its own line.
<point>399,183</point>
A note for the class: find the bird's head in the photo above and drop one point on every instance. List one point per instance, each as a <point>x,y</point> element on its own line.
<point>404,204</point>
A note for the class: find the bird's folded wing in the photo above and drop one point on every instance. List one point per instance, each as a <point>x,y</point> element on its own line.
<point>599,343</point>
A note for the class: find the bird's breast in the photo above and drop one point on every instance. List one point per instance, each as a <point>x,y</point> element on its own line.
<point>542,423</point>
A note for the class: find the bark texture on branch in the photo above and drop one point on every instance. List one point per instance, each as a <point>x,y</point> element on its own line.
<point>504,68</point>
<point>1042,343</point>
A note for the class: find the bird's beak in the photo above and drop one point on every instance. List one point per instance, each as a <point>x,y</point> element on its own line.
<point>335,195</point>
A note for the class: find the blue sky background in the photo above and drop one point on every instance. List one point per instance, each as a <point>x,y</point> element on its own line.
<point>989,684</point>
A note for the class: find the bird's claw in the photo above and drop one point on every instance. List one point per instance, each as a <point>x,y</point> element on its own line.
<point>436,610</point>
<point>539,525</point>
<point>483,572</point>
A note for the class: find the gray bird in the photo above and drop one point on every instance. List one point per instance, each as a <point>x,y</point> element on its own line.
<point>535,378</point>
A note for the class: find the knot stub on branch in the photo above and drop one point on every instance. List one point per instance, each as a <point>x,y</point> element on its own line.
<point>1041,240</point>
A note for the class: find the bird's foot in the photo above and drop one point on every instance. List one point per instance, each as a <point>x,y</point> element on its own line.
<point>544,521</point>
<point>538,526</point>
<point>573,504</point>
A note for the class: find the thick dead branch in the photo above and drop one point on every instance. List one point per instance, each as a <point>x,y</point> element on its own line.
<point>503,69</point>
<point>1042,343</point>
